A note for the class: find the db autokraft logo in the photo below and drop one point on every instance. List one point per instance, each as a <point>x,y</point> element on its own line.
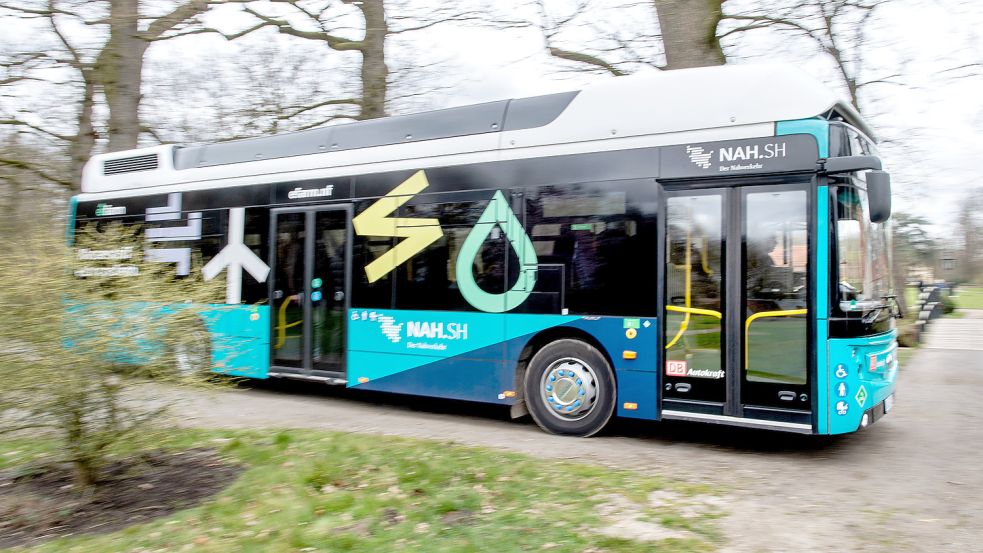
<point>676,368</point>
<point>679,368</point>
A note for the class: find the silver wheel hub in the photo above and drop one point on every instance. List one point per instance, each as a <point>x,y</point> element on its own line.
<point>569,389</point>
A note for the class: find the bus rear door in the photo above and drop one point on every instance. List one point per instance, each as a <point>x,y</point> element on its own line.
<point>309,290</point>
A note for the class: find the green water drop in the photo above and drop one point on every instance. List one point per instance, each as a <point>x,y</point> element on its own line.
<point>498,213</point>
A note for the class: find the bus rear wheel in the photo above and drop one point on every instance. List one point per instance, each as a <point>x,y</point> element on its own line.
<point>569,388</point>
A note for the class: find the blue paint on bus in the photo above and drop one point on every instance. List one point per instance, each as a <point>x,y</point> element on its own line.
<point>70,223</point>
<point>821,309</point>
<point>473,356</point>
<point>864,373</point>
<point>240,339</point>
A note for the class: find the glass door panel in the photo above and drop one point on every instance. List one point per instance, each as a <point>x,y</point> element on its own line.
<point>694,316</point>
<point>329,290</point>
<point>288,290</point>
<point>309,290</point>
<point>775,319</point>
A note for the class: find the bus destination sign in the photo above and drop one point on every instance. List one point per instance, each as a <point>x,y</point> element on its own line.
<point>775,154</point>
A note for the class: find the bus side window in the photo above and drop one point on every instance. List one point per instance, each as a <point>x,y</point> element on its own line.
<point>595,254</point>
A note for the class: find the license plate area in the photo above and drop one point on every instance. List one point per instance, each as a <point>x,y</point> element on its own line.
<point>888,403</point>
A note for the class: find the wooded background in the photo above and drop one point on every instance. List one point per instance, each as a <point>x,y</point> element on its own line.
<point>80,77</point>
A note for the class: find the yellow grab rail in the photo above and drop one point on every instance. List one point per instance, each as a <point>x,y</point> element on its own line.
<point>695,311</point>
<point>689,269</point>
<point>763,315</point>
<point>282,326</point>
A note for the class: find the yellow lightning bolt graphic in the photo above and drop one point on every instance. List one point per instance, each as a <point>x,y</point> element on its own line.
<point>418,233</point>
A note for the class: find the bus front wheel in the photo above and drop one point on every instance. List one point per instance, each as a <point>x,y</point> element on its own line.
<point>569,388</point>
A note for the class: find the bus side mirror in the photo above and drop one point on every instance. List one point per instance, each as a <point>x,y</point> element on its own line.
<point>879,195</point>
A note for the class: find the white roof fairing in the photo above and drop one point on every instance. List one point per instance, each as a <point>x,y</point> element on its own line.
<point>656,108</point>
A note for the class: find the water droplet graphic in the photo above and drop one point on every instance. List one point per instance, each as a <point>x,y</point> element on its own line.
<point>498,213</point>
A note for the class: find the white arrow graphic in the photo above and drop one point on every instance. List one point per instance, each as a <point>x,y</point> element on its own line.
<point>236,256</point>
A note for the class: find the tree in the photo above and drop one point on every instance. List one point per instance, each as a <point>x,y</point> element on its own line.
<point>263,87</point>
<point>329,23</point>
<point>839,29</point>
<point>664,34</point>
<point>970,230</point>
<point>108,61</point>
<point>689,32</point>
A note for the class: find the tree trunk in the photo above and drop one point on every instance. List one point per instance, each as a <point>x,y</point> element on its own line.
<point>80,149</point>
<point>689,32</point>
<point>120,71</point>
<point>375,74</point>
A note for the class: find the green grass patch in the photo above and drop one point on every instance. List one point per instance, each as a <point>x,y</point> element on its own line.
<point>320,491</point>
<point>968,297</point>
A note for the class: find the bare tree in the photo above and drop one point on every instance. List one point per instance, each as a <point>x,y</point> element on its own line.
<point>267,85</point>
<point>970,231</point>
<point>689,32</point>
<point>621,37</point>
<point>103,43</point>
<point>839,29</point>
<point>359,26</point>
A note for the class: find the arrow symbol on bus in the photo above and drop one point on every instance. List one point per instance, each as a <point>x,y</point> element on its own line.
<point>235,257</point>
<point>417,233</point>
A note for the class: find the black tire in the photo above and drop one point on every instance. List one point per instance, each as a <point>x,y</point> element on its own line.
<point>580,398</point>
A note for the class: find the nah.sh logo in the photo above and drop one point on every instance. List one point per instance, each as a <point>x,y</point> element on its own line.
<point>743,153</point>
<point>450,331</point>
<point>699,156</point>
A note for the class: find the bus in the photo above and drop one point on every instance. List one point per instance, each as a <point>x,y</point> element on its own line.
<point>703,245</point>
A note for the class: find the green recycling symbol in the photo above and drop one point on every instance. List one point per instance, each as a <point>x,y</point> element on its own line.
<point>498,213</point>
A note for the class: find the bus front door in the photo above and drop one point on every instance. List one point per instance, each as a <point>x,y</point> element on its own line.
<point>309,290</point>
<point>736,330</point>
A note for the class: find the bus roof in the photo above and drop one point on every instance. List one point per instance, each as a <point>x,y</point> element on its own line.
<point>706,103</point>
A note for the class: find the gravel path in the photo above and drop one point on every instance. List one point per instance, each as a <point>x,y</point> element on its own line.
<point>911,482</point>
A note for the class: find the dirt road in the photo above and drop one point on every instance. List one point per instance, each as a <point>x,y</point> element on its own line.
<point>911,482</point>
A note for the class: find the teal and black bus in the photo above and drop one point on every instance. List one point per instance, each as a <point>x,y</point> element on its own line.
<point>702,245</point>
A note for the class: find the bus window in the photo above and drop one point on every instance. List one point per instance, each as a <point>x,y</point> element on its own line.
<point>864,267</point>
<point>596,251</point>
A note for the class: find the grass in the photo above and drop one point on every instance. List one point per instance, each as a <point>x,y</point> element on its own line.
<point>319,491</point>
<point>968,297</point>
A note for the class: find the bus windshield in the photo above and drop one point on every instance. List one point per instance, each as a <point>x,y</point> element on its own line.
<point>863,249</point>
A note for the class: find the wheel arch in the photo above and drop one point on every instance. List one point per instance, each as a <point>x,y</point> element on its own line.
<point>537,342</point>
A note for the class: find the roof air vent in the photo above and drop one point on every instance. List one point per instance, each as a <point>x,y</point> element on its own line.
<point>133,164</point>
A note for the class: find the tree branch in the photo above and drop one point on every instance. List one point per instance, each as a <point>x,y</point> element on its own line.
<point>334,42</point>
<point>177,16</point>
<point>18,164</point>
<point>587,59</point>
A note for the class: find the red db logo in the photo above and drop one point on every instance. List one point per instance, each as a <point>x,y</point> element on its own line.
<point>676,368</point>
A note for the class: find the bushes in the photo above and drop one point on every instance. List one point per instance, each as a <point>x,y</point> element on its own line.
<point>75,349</point>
